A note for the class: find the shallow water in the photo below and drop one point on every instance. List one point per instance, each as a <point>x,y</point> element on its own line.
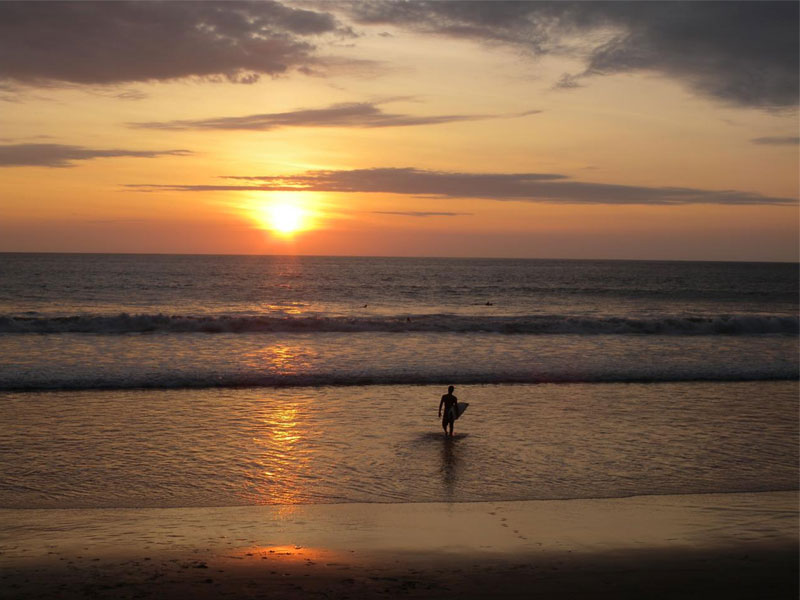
<point>221,447</point>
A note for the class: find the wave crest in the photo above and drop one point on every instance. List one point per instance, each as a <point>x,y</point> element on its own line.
<point>259,380</point>
<point>530,325</point>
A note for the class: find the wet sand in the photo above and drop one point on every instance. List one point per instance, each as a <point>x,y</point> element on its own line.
<point>694,546</point>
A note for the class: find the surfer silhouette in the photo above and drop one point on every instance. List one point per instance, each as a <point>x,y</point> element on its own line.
<point>449,401</point>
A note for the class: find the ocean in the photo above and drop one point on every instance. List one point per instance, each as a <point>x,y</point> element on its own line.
<point>172,381</point>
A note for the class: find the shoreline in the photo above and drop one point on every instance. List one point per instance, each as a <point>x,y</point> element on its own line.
<point>733,545</point>
<point>301,505</point>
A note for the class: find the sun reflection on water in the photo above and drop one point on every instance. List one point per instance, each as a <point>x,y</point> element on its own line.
<point>287,554</point>
<point>281,358</point>
<point>282,454</point>
<point>284,423</point>
<point>286,308</point>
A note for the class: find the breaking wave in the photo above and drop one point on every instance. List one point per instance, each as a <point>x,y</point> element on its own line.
<point>441,323</point>
<point>149,380</point>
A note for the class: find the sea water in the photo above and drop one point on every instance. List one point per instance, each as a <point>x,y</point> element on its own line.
<point>132,380</point>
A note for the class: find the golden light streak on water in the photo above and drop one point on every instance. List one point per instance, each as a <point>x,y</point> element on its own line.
<point>288,554</point>
<point>282,455</point>
<point>281,358</point>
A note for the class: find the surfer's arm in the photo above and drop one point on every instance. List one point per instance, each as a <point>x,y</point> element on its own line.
<point>440,406</point>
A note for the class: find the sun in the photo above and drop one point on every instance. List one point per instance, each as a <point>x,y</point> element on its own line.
<point>281,217</point>
<point>283,214</point>
<point>285,218</point>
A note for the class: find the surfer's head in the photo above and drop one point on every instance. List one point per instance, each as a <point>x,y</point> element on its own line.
<point>450,389</point>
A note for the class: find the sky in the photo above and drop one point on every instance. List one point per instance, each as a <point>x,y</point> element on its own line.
<point>592,130</point>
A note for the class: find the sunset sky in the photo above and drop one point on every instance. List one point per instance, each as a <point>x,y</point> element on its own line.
<point>543,130</point>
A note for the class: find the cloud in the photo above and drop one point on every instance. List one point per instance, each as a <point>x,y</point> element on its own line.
<point>10,93</point>
<point>568,82</point>
<point>786,140</point>
<point>741,53</point>
<point>744,53</point>
<point>61,155</point>
<point>419,213</point>
<point>522,187</point>
<point>45,43</point>
<point>353,114</point>
<point>131,95</point>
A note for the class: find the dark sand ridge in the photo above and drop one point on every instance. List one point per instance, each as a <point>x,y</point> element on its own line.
<point>694,546</point>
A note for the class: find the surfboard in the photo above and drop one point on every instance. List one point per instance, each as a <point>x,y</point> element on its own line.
<point>460,408</point>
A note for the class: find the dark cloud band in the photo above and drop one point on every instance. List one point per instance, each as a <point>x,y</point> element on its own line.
<point>362,114</point>
<point>113,42</point>
<point>61,155</point>
<point>743,53</point>
<point>419,213</point>
<point>524,187</point>
<point>785,140</point>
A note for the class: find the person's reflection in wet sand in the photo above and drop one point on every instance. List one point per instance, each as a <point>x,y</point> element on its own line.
<point>449,468</point>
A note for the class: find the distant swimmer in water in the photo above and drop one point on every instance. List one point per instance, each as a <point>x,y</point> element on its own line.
<point>449,402</point>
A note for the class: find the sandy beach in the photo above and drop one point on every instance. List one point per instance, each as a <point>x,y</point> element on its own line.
<point>715,545</point>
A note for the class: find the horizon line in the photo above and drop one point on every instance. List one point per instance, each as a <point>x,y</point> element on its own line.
<point>698,260</point>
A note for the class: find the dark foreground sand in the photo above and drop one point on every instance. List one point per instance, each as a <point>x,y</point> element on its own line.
<point>698,546</point>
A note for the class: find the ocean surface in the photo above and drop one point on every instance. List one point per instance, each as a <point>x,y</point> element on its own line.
<point>154,380</point>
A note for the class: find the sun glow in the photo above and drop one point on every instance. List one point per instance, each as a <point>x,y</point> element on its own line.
<point>282,214</point>
<point>284,218</point>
